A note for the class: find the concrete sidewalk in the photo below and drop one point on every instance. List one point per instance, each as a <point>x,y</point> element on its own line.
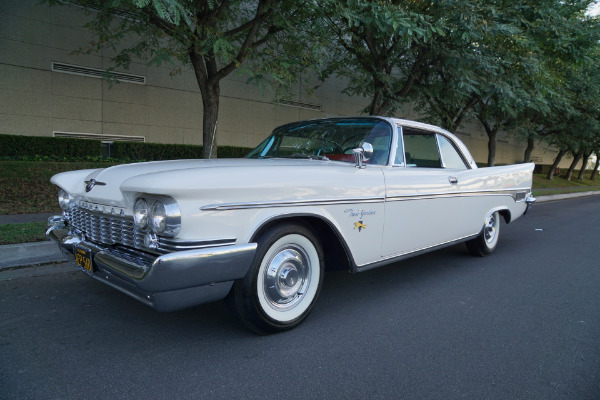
<point>26,254</point>
<point>25,218</point>
<point>30,255</point>
<point>18,256</point>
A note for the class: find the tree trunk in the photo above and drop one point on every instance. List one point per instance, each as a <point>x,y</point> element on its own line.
<point>210,108</point>
<point>491,147</point>
<point>491,134</point>
<point>378,98</point>
<point>572,167</point>
<point>583,165</point>
<point>595,171</point>
<point>529,150</point>
<point>208,83</point>
<point>557,160</point>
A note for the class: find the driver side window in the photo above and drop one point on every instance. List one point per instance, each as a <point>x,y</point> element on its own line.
<point>421,149</point>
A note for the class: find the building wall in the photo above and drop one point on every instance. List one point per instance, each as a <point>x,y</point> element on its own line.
<point>34,100</point>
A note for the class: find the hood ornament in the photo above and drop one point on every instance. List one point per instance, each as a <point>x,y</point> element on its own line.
<point>89,185</point>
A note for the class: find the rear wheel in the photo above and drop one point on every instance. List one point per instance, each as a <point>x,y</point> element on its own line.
<point>486,242</point>
<point>283,282</point>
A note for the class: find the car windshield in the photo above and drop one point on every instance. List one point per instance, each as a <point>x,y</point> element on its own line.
<point>331,139</point>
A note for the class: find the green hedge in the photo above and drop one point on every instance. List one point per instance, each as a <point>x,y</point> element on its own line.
<point>36,147</point>
<point>153,151</point>
<point>156,151</point>
<point>233,151</point>
<point>13,146</point>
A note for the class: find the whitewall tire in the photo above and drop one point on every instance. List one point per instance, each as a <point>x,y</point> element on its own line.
<point>283,282</point>
<point>486,242</point>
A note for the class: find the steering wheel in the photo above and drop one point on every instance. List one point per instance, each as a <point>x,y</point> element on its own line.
<point>330,149</point>
<point>347,141</point>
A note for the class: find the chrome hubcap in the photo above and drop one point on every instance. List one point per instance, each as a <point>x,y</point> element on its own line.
<point>490,228</point>
<point>287,277</point>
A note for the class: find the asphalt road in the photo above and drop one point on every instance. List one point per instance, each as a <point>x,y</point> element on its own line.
<point>523,323</point>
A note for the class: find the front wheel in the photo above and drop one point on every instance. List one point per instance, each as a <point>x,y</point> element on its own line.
<point>486,242</point>
<point>283,282</point>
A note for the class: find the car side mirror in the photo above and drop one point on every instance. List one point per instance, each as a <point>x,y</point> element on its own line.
<point>362,154</point>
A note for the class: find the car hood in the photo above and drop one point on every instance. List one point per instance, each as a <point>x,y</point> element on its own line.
<point>234,179</point>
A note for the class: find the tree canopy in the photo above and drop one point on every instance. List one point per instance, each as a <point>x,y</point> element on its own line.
<point>526,67</point>
<point>498,62</point>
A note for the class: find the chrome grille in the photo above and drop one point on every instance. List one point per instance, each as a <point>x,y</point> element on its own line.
<point>113,229</point>
<point>106,229</point>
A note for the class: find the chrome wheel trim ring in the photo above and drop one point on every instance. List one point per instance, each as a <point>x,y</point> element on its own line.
<point>286,277</point>
<point>491,228</point>
<point>295,297</point>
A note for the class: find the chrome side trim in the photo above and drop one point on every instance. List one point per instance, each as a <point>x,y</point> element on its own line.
<point>408,197</point>
<point>170,245</point>
<point>498,192</point>
<point>409,254</point>
<point>324,202</point>
<point>521,196</point>
<point>289,203</point>
<point>512,191</point>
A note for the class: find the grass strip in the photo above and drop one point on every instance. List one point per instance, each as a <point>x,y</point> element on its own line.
<point>549,192</point>
<point>541,182</point>
<point>22,233</point>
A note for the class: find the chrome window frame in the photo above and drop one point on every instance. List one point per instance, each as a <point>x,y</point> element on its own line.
<point>397,139</point>
<point>462,157</point>
<point>419,132</point>
<point>462,148</point>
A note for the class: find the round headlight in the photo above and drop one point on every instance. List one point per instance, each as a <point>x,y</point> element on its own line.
<point>159,217</point>
<point>64,199</point>
<point>140,214</point>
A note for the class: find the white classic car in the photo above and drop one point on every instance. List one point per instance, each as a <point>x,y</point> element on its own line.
<point>354,193</point>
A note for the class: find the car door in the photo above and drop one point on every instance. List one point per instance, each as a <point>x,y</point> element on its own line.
<point>423,206</point>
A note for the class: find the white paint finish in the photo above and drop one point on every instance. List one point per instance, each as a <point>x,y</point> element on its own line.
<point>412,224</point>
<point>378,212</point>
<point>486,189</point>
<point>73,181</point>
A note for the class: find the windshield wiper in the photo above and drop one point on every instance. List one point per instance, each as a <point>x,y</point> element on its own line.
<point>308,156</point>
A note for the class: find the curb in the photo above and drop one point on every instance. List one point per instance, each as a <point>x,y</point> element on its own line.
<point>28,254</point>
<point>556,197</point>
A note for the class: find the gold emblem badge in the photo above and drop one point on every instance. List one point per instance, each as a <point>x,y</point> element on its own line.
<point>360,226</point>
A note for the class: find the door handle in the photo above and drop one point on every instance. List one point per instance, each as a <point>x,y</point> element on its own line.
<point>453,180</point>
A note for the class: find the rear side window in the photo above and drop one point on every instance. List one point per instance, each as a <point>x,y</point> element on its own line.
<point>450,155</point>
<point>421,149</point>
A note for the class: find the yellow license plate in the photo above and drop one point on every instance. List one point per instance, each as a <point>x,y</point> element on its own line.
<point>83,258</point>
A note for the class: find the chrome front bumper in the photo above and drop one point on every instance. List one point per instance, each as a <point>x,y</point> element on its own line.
<point>166,283</point>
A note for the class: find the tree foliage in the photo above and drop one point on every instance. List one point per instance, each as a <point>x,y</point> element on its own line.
<point>384,47</point>
<point>500,62</point>
<point>526,67</point>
